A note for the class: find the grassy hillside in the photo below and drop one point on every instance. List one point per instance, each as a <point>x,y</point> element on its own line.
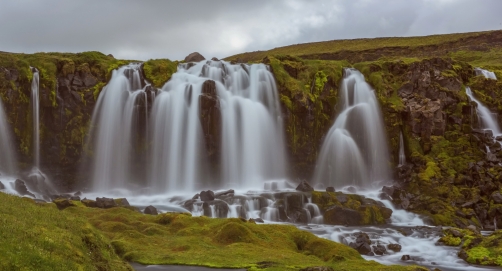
<point>41,237</point>
<point>358,50</point>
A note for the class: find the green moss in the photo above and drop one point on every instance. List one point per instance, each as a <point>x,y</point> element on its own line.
<point>450,240</point>
<point>159,71</point>
<point>40,237</point>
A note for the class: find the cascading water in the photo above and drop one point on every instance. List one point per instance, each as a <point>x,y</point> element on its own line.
<point>355,149</point>
<point>111,129</point>
<point>251,128</point>
<point>485,73</point>
<point>402,155</point>
<point>36,118</point>
<point>7,156</point>
<point>486,119</point>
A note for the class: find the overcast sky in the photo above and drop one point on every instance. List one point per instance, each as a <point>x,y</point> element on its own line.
<point>140,30</point>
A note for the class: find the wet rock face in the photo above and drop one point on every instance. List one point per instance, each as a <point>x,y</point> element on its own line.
<point>20,188</point>
<point>194,57</point>
<point>304,186</point>
<point>362,243</point>
<point>211,122</point>
<point>150,210</point>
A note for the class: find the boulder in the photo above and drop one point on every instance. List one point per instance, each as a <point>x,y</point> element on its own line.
<point>150,210</point>
<point>63,203</point>
<point>337,215</point>
<point>89,203</point>
<point>405,258</point>
<point>497,197</point>
<point>76,198</point>
<point>362,243</point>
<point>206,195</point>
<point>379,249</point>
<point>194,57</point>
<point>330,189</point>
<point>122,202</point>
<point>304,186</point>
<point>394,247</point>
<point>229,192</point>
<point>196,196</point>
<point>20,188</point>
<point>105,203</point>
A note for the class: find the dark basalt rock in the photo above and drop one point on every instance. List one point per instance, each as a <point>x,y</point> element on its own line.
<point>105,203</point>
<point>221,208</point>
<point>206,195</point>
<point>330,189</point>
<point>379,250</point>
<point>194,57</point>
<point>394,247</point>
<point>337,215</point>
<point>405,258</point>
<point>229,192</point>
<point>76,198</point>
<point>150,210</point>
<point>63,203</point>
<point>123,202</point>
<point>89,203</point>
<point>20,188</point>
<point>362,243</point>
<point>304,186</point>
<point>2,186</point>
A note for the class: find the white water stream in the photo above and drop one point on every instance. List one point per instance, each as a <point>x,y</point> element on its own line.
<point>355,150</point>
<point>486,119</point>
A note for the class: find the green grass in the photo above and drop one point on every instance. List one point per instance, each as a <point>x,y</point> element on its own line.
<point>39,236</point>
<point>159,71</point>
<point>337,46</point>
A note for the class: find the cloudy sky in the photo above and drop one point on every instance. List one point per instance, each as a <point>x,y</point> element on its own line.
<point>134,29</point>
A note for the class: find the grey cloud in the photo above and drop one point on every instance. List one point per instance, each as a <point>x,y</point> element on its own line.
<point>172,29</point>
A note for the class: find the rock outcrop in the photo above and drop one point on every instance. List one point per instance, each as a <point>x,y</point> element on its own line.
<point>194,57</point>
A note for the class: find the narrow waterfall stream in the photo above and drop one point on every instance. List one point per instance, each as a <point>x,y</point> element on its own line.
<point>486,119</point>
<point>355,150</point>
<point>7,156</point>
<point>35,105</point>
<point>402,155</point>
<point>485,73</point>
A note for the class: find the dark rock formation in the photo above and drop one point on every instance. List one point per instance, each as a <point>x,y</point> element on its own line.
<point>379,249</point>
<point>2,186</point>
<point>207,195</point>
<point>304,186</point>
<point>330,189</point>
<point>394,247</point>
<point>362,243</point>
<point>150,210</point>
<point>122,202</point>
<point>105,203</point>
<point>89,203</point>
<point>194,57</point>
<point>211,123</point>
<point>20,188</point>
<point>405,258</point>
<point>63,203</point>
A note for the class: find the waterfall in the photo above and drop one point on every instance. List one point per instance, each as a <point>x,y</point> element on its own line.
<point>486,119</point>
<point>7,156</point>
<point>112,126</point>
<point>252,144</point>
<point>402,155</point>
<point>485,73</point>
<point>36,118</point>
<point>354,151</point>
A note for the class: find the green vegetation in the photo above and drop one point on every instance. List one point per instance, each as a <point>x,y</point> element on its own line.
<point>159,71</point>
<point>39,236</point>
<point>411,46</point>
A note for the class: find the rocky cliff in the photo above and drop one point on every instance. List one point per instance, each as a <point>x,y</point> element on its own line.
<point>448,176</point>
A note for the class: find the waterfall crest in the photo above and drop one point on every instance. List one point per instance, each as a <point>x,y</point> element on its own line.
<point>252,144</point>
<point>112,128</point>
<point>485,73</point>
<point>355,150</point>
